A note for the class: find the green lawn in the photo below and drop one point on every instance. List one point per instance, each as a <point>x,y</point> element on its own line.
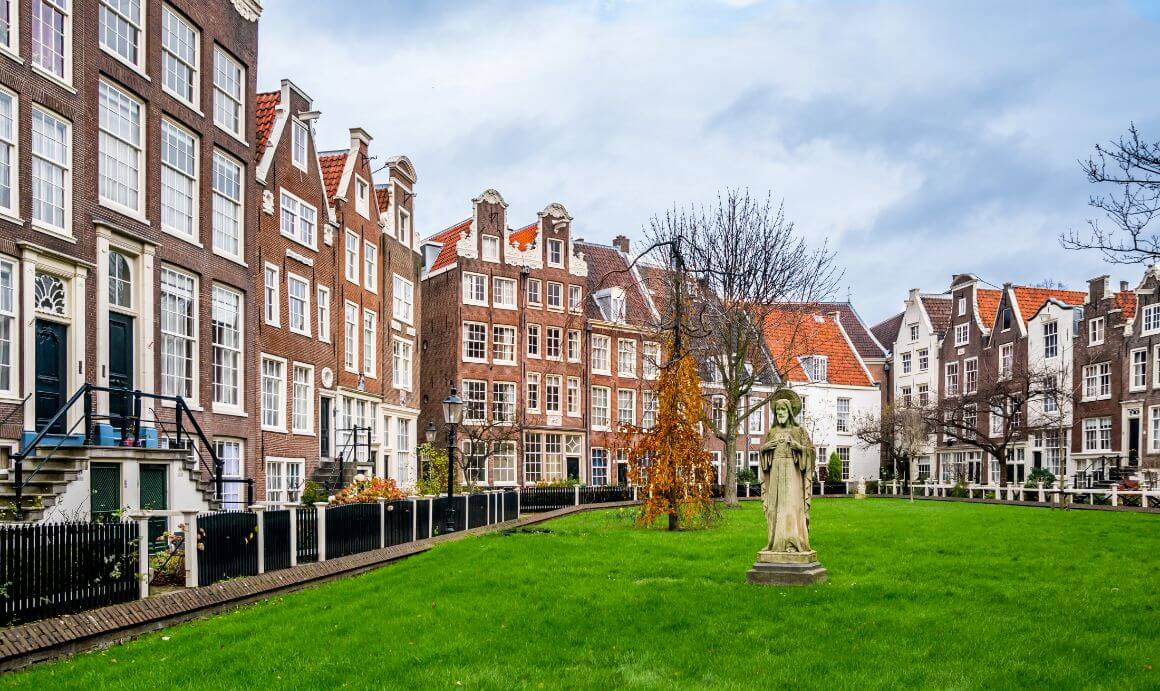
<point>923,594</point>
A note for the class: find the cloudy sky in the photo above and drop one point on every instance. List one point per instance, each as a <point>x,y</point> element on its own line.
<point>920,139</point>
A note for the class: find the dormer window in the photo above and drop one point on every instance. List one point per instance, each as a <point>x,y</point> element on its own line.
<point>362,197</point>
<point>816,367</point>
<point>555,252</point>
<point>611,303</point>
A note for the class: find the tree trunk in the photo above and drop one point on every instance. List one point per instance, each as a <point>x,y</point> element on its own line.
<point>730,462</point>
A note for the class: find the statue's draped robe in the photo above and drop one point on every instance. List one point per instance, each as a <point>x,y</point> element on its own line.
<point>786,488</point>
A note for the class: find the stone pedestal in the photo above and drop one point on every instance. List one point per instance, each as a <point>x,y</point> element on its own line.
<point>786,568</point>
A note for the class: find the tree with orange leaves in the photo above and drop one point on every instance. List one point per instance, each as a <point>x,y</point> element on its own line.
<point>668,461</point>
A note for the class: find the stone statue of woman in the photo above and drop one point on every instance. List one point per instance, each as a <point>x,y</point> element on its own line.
<point>787,467</point>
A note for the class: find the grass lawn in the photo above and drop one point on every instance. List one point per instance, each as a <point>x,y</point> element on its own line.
<point>923,594</point>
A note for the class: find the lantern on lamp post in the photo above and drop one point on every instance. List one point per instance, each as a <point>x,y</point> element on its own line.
<point>452,415</point>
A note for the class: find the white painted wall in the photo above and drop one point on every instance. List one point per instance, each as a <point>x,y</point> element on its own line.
<point>915,314</point>
<point>820,419</point>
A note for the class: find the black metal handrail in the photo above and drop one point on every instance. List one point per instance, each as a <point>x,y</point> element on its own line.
<point>85,392</point>
<point>247,481</point>
<point>352,444</point>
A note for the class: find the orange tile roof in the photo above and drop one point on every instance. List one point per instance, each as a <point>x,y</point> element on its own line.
<point>524,237</point>
<point>332,165</point>
<point>1126,300</point>
<point>795,332</point>
<point>1032,299</point>
<point>448,254</point>
<point>988,305</point>
<point>266,105</point>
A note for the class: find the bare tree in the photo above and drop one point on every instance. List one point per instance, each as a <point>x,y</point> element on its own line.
<point>1132,167</point>
<point>733,263</point>
<point>899,430</point>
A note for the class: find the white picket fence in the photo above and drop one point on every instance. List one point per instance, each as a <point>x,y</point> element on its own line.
<point>1112,496</point>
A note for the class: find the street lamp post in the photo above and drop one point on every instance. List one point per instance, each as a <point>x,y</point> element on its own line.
<point>452,415</point>
<point>429,433</point>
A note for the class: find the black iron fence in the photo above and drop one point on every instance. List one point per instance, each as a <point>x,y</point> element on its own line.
<point>539,499</point>
<point>352,528</point>
<point>307,534</point>
<point>227,546</point>
<point>276,550</point>
<point>61,568</point>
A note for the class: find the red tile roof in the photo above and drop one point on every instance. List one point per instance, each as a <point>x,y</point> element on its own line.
<point>332,165</point>
<point>798,331</point>
<point>855,328</point>
<point>988,305</point>
<point>448,254</point>
<point>1032,299</point>
<point>1126,301</point>
<point>524,237</point>
<point>266,105</point>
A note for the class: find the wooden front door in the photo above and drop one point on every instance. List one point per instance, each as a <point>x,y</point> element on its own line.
<point>155,497</point>
<point>120,368</point>
<point>51,374</point>
<point>105,488</point>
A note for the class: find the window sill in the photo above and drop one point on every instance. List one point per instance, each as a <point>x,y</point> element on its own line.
<point>229,410</point>
<point>121,59</point>
<point>280,430</point>
<point>276,325</point>
<point>300,333</point>
<point>58,233</point>
<point>7,52</point>
<point>190,239</point>
<point>228,257</point>
<point>126,211</point>
<point>303,433</point>
<point>475,360</point>
<point>55,79</point>
<point>11,218</point>
<point>233,135</point>
<point>475,303</point>
<point>191,105</point>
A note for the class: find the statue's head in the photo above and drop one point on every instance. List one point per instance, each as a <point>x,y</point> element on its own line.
<point>782,412</point>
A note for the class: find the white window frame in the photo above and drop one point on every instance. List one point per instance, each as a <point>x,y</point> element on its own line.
<point>9,315</point>
<point>503,412</point>
<point>499,287</point>
<point>623,395</point>
<point>350,335</point>
<point>307,400</point>
<point>401,367</point>
<point>272,295</point>
<point>1150,319</point>
<point>370,266</point>
<point>220,92</point>
<point>322,301</point>
<point>370,331</point>
<point>962,334</point>
<point>138,25</point>
<point>10,145</point>
<point>572,403</point>
<point>1138,371</point>
<point>558,334</point>
<point>299,143</point>
<point>535,341</point>
<point>110,140</point>
<point>192,181</point>
<point>1006,360</point>
<point>466,341</point>
<point>362,196</point>
<point>470,402</point>
<point>497,348</point>
<point>1050,340</point>
<point>532,392</point>
<point>575,298</point>
<point>237,350</point>
<point>951,369</point>
<point>535,289</point>
<point>1154,429</point>
<point>1096,428</point>
<point>12,45</point>
<point>351,261</point>
<point>489,248</point>
<point>842,417</point>
<point>66,168</point>
<point>553,394</point>
<point>1156,366</point>
<point>193,337</point>
<point>471,281</point>
<point>1095,331</point>
<point>192,99</point>
<point>226,161</point>
<point>573,345</point>
<point>601,423</point>
<point>1097,381</point>
<point>233,468</point>
<point>923,357</point>
<point>971,375</point>
<point>66,55</point>
<point>402,299</point>
<point>304,283</point>
<point>290,204</point>
<point>597,367</point>
<point>559,306</point>
<point>555,246</point>
<point>906,362</point>
<point>626,358</point>
<point>279,422</point>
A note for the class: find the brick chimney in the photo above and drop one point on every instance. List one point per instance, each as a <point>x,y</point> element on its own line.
<point>1123,286</point>
<point>621,243</point>
<point>1098,288</point>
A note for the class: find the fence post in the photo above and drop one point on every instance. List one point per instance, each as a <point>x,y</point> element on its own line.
<point>382,523</point>
<point>519,501</point>
<point>634,493</point>
<point>293,536</point>
<point>577,488</point>
<point>143,575</point>
<point>430,516</point>
<point>490,496</point>
<point>321,532</point>
<point>502,506</point>
<point>466,512</point>
<point>261,512</point>
<point>191,541</point>
<point>1115,495</point>
<point>414,518</point>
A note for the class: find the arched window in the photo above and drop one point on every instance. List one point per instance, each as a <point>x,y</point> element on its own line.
<point>120,281</point>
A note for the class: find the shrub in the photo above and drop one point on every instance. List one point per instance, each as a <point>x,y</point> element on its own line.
<point>312,493</point>
<point>1039,475</point>
<point>834,468</point>
<point>433,478</point>
<point>559,482</point>
<point>959,490</point>
<point>367,491</point>
<point>747,477</point>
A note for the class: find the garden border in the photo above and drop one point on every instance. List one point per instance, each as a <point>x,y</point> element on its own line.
<point>48,639</point>
<point>1029,504</point>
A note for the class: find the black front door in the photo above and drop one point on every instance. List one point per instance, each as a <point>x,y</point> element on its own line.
<point>51,374</point>
<point>573,463</point>
<point>324,427</point>
<point>120,368</point>
<point>1133,440</point>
